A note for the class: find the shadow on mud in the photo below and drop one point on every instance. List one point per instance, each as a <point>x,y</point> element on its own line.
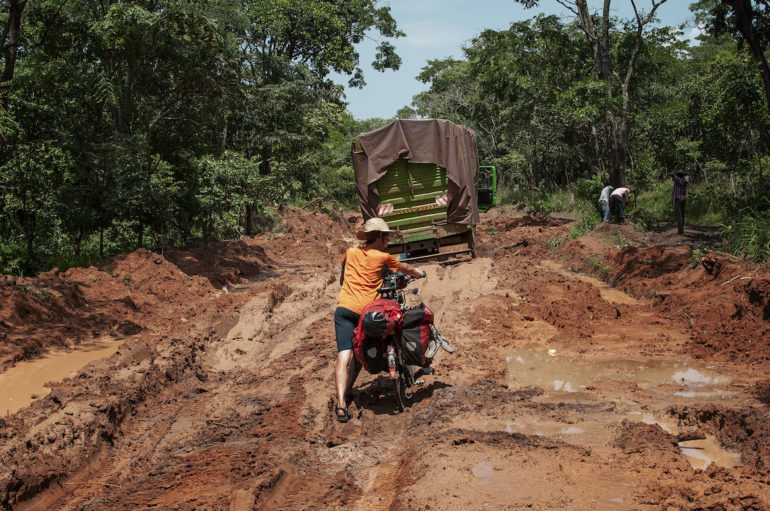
<point>222,263</point>
<point>378,395</point>
<point>762,392</point>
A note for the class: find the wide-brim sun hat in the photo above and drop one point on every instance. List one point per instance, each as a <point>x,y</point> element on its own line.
<point>375,224</point>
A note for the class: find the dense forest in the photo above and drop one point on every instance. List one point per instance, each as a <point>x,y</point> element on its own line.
<point>130,123</point>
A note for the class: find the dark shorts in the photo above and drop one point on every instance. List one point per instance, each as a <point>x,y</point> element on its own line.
<point>345,321</point>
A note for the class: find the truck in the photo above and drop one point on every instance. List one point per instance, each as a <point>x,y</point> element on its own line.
<point>420,176</point>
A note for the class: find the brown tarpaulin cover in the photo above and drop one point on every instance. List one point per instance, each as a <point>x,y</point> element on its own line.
<point>421,141</point>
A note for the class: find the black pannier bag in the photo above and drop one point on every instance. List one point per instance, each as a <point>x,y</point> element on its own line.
<point>415,335</point>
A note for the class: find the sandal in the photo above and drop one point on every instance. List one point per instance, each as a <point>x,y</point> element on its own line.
<point>342,418</point>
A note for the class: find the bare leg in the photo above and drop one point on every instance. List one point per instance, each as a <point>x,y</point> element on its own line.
<point>345,374</point>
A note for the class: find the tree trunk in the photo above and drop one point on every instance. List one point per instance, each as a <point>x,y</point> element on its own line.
<point>617,136</point>
<point>744,16</point>
<point>101,236</point>
<point>598,154</point>
<point>77,241</point>
<point>249,225</point>
<point>618,153</point>
<point>223,139</point>
<point>264,165</point>
<point>10,46</point>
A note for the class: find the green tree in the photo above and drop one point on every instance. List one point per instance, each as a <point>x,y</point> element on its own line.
<point>748,22</point>
<point>290,47</point>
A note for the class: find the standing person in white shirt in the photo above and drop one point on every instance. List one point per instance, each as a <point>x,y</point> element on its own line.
<point>604,203</point>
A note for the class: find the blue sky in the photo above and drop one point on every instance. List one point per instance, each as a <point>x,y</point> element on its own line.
<point>437,29</point>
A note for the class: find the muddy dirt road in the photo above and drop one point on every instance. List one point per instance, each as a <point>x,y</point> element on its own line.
<point>616,371</point>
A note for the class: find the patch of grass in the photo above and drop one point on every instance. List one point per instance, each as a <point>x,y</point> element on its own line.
<point>599,266</point>
<point>588,219</point>
<point>538,200</point>
<point>654,209</point>
<point>749,234</point>
<point>43,294</point>
<point>127,279</point>
<point>561,200</point>
<point>619,241</point>
<point>492,231</point>
<point>554,243</point>
<point>696,258</point>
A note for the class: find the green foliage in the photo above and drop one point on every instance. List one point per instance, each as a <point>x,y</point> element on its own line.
<point>588,218</point>
<point>554,243</point>
<point>134,123</point>
<point>589,189</point>
<point>539,200</point>
<point>654,208</point>
<point>339,184</point>
<point>749,233</point>
<point>696,258</point>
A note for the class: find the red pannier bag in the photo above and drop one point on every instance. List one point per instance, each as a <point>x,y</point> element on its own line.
<point>379,319</point>
<point>415,335</point>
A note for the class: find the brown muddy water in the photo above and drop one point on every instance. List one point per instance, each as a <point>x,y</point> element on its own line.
<point>565,377</point>
<point>26,381</point>
<point>564,374</point>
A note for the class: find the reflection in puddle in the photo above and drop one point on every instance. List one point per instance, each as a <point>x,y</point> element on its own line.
<point>701,453</point>
<point>26,379</point>
<point>649,419</point>
<point>536,427</point>
<point>567,375</point>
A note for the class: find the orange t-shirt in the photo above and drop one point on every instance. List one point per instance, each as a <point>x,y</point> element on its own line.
<point>363,276</point>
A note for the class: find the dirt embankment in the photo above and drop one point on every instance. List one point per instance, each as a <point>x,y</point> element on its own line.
<point>564,392</point>
<point>168,309</point>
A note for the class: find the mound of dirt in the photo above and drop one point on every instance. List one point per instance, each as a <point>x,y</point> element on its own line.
<point>307,237</point>
<point>640,438</point>
<point>122,295</point>
<point>223,263</point>
<point>746,431</point>
<point>723,301</point>
<point>128,293</point>
<point>648,262</point>
<point>224,400</point>
<point>724,304</point>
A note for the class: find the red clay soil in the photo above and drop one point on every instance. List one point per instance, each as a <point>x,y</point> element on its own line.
<point>564,391</point>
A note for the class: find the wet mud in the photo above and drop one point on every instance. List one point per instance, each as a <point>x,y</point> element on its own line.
<point>589,374</point>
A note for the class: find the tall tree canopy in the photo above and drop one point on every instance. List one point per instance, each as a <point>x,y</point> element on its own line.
<point>128,123</point>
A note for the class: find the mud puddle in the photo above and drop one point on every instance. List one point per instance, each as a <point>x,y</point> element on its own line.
<point>569,375</point>
<point>565,377</point>
<point>702,453</point>
<point>25,382</point>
